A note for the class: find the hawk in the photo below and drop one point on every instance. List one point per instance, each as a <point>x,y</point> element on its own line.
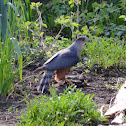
<point>61,62</point>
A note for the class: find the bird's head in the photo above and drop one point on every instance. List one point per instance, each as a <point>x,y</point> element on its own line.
<point>82,40</point>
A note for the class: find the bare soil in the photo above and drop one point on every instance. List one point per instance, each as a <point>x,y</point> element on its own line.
<point>96,81</point>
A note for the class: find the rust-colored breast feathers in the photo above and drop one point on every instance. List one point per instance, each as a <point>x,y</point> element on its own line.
<point>60,74</point>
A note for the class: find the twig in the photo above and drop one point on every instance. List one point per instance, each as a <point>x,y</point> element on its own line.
<point>30,29</point>
<point>41,28</point>
<point>58,33</point>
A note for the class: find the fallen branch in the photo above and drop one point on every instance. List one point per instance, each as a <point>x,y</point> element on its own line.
<point>118,107</point>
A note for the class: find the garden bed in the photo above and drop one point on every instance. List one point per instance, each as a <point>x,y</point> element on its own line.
<point>101,83</point>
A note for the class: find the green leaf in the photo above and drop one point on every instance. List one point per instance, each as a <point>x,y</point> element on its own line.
<point>79,2</point>
<point>44,25</point>
<point>75,24</point>
<point>36,79</point>
<point>107,33</point>
<point>28,23</point>
<point>10,109</point>
<point>17,47</point>
<point>103,12</point>
<point>95,4</point>
<point>119,33</point>
<point>19,54</point>
<point>10,4</point>
<point>103,4</point>
<point>70,2</point>
<point>41,33</point>
<point>72,5</point>
<point>96,8</point>
<point>122,16</point>
<point>3,19</point>
<point>65,39</point>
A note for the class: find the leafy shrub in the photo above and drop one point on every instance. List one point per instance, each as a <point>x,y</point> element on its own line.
<point>69,108</point>
<point>102,18</point>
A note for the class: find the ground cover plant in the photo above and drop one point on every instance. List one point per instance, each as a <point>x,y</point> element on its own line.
<point>69,108</point>
<point>106,52</point>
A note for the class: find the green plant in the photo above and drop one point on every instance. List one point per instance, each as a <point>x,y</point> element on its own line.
<point>49,45</point>
<point>103,19</point>
<point>27,10</point>
<point>38,25</point>
<point>67,22</point>
<point>6,70</point>
<point>106,52</point>
<point>9,49</point>
<point>26,15</point>
<point>3,21</point>
<point>8,53</point>
<point>70,108</point>
<point>52,10</point>
<point>98,16</point>
<point>123,16</point>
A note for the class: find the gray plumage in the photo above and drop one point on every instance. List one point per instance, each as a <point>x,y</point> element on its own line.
<point>65,58</point>
<point>44,83</point>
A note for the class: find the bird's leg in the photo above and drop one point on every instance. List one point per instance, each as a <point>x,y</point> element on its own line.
<point>69,82</point>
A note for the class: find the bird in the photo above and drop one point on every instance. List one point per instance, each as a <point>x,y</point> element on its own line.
<point>61,63</point>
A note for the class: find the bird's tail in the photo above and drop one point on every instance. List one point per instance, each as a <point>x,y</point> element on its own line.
<point>40,69</point>
<point>45,81</point>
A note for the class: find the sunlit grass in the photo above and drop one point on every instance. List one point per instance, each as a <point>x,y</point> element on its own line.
<point>70,108</point>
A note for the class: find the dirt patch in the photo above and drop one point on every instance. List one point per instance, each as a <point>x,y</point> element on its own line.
<point>96,81</point>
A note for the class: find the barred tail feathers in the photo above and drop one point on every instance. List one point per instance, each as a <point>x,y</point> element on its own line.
<point>45,81</point>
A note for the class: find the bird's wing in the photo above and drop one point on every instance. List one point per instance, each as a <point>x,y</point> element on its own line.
<point>52,58</point>
<point>61,60</point>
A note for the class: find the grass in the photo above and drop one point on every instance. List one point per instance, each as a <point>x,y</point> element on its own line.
<point>106,52</point>
<point>9,48</point>
<point>69,108</point>
<point>6,70</point>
